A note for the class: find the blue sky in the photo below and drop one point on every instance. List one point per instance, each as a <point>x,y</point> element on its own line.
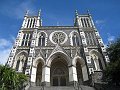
<point>105,13</point>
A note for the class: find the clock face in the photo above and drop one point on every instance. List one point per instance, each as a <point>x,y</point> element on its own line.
<point>58,37</point>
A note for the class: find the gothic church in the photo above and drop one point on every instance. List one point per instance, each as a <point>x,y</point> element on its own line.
<point>59,55</point>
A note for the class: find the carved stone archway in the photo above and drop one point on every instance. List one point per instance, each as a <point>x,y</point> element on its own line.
<point>81,69</point>
<point>97,60</point>
<point>59,75</point>
<point>37,71</point>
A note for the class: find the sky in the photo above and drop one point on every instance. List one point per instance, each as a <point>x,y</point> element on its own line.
<point>105,13</point>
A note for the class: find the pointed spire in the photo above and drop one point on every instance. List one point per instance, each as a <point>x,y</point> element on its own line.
<point>39,13</point>
<point>76,13</point>
<point>26,13</point>
<point>88,11</point>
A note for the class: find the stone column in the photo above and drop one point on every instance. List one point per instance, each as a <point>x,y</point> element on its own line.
<point>20,66</point>
<point>72,75</point>
<point>46,76</point>
<point>33,76</point>
<point>84,73</point>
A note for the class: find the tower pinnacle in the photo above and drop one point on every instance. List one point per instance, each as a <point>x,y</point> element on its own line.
<point>88,11</point>
<point>76,13</point>
<point>26,13</point>
<point>39,12</point>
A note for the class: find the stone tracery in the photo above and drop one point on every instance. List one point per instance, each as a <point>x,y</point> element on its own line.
<point>58,37</point>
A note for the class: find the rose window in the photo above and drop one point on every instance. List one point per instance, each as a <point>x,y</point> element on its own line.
<point>58,37</point>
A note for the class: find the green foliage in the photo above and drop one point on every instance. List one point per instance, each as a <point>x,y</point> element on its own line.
<point>114,50</point>
<point>112,72</point>
<point>9,79</point>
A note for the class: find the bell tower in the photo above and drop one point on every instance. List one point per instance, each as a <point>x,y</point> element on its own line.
<point>92,44</point>
<point>32,21</point>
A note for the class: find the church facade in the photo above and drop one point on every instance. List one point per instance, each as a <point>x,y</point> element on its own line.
<point>59,55</point>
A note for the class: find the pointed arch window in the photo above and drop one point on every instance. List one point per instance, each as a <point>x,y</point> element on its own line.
<point>25,65</point>
<point>75,40</point>
<point>41,40</point>
<point>85,22</point>
<point>95,61</point>
<point>82,22</point>
<point>88,23</point>
<point>27,36</point>
<point>24,36</point>
<point>26,41</point>
<point>28,23</point>
<point>21,63</point>
<point>33,23</point>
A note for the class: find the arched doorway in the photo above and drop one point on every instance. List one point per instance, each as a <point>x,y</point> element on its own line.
<point>79,73</point>
<point>59,72</point>
<point>39,74</point>
<point>81,69</point>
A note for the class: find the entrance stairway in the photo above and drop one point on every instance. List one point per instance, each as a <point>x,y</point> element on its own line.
<point>81,87</point>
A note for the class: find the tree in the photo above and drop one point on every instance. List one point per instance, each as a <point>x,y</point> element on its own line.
<point>112,72</point>
<point>9,79</point>
<point>114,50</point>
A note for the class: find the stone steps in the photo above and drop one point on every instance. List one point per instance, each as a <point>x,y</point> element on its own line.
<point>86,87</point>
<point>59,88</point>
<point>82,87</point>
<point>36,88</point>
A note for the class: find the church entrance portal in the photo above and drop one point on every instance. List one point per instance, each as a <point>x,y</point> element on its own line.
<point>59,72</point>
<point>59,77</point>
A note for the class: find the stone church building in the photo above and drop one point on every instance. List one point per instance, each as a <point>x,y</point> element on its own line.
<point>59,55</point>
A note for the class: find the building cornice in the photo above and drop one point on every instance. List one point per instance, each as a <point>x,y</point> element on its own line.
<point>57,27</point>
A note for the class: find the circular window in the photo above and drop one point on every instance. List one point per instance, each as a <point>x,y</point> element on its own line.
<point>58,37</point>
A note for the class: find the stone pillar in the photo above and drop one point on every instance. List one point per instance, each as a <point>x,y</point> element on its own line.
<point>33,76</point>
<point>46,76</point>
<point>72,75</point>
<point>20,66</point>
<point>84,72</point>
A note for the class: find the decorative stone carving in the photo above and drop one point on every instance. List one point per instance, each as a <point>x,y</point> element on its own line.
<point>58,37</point>
<point>58,71</point>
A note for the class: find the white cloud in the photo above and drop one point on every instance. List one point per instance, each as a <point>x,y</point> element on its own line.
<point>20,9</point>
<point>4,43</point>
<point>110,37</point>
<point>4,54</point>
<point>5,48</point>
<point>99,21</point>
<point>15,10</point>
<point>12,38</point>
